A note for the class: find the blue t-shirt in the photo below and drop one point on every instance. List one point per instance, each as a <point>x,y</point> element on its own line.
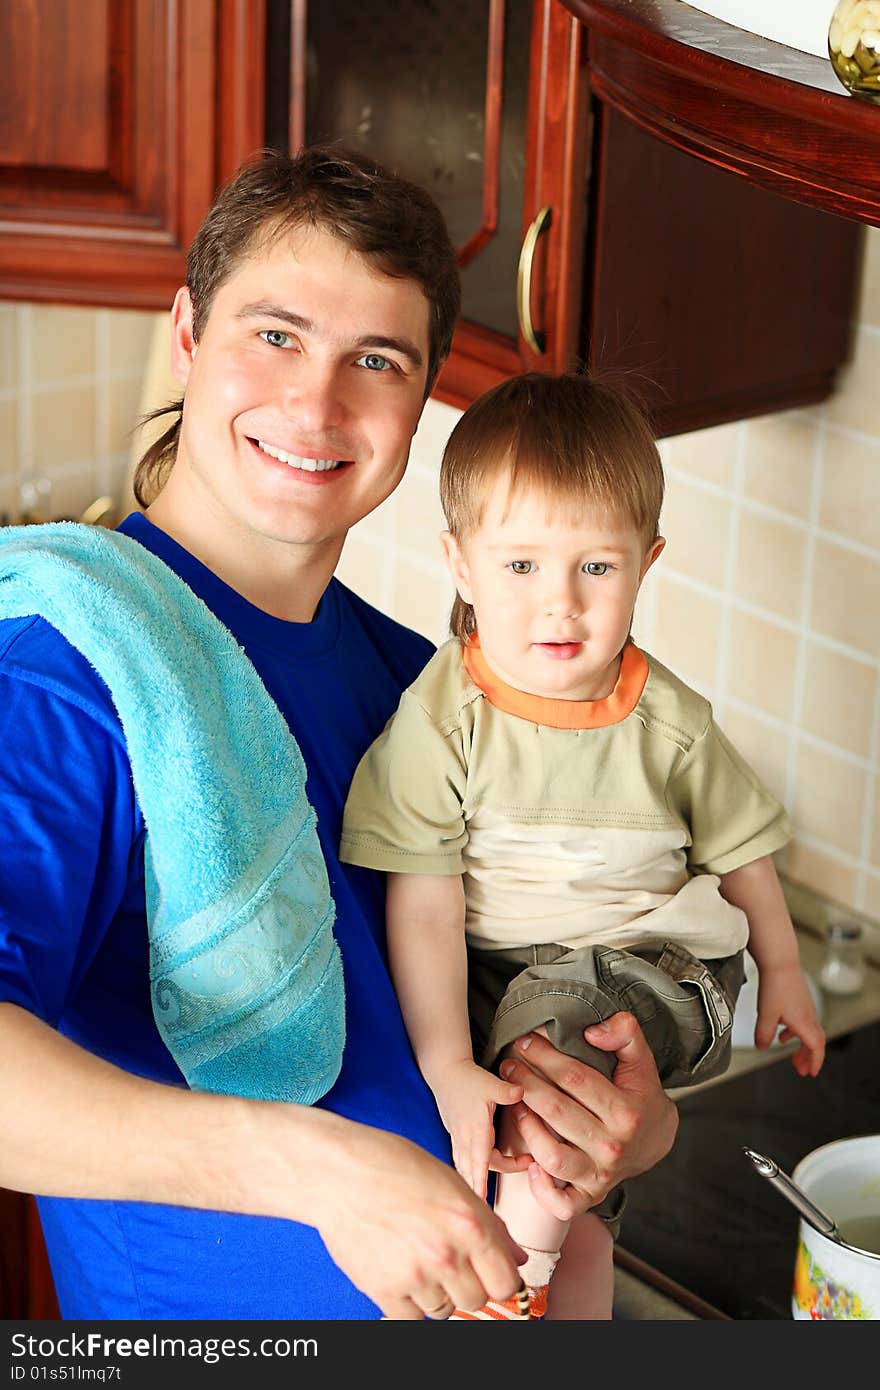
<point>73,937</point>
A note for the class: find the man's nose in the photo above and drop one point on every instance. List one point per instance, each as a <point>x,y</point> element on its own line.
<point>314,398</point>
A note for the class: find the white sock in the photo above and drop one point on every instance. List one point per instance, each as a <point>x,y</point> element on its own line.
<point>538,1268</point>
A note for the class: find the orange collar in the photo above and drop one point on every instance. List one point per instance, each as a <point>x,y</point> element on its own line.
<point>561,714</point>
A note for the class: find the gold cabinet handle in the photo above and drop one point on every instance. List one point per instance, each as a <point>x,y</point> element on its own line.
<point>524,279</point>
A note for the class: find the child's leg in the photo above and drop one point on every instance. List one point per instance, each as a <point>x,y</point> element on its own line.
<point>583,1285</point>
<point>528,1223</point>
<point>540,1234</point>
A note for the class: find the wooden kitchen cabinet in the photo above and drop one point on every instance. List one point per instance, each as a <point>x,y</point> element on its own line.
<point>717,299</point>
<point>118,119</point>
<point>485,105</point>
<point>582,239</point>
<point>26,1288</point>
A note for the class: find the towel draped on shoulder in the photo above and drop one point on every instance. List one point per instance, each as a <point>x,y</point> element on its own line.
<point>245,975</point>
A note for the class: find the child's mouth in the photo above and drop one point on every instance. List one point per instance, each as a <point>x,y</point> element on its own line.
<point>560,651</point>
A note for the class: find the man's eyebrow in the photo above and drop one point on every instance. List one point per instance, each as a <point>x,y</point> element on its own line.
<point>404,346</point>
<point>264,309</point>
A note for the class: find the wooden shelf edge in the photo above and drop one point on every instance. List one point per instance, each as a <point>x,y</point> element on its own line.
<point>789,128</point>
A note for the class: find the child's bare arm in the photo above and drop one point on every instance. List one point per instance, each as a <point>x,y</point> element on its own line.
<point>428,960</point>
<point>783,996</point>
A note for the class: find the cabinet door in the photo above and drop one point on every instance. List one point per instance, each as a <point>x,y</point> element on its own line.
<point>118,119</point>
<point>484,104</point>
<point>26,1288</point>
<point>718,299</point>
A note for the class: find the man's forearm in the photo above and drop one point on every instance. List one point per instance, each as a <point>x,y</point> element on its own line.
<point>75,1126</point>
<point>398,1222</point>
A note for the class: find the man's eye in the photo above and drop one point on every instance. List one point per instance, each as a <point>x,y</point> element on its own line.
<point>276,337</point>
<point>596,567</point>
<point>374,363</point>
<point>521,566</point>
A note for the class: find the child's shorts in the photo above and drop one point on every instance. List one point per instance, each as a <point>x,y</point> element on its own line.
<point>683,1005</point>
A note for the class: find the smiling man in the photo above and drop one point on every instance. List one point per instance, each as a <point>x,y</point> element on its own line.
<point>303,392</point>
<point>320,302</point>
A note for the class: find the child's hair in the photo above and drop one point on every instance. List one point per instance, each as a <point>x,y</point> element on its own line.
<point>576,439</point>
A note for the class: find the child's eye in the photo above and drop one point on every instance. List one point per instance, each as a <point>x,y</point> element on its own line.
<point>521,566</point>
<point>276,337</point>
<point>596,567</point>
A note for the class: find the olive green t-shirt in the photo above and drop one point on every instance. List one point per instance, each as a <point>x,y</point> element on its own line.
<point>613,831</point>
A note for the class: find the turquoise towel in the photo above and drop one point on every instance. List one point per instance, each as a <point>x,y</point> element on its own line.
<point>245,976</point>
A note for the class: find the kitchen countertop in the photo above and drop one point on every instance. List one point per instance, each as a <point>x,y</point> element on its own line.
<point>636,1300</point>
<point>663,1270</point>
<point>841,1014</point>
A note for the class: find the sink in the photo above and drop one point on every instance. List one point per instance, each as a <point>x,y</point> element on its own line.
<point>801,24</point>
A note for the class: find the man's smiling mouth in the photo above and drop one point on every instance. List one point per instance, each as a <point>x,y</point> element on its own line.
<point>296,461</point>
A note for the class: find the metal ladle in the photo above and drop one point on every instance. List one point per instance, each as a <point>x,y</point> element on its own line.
<point>813,1215</point>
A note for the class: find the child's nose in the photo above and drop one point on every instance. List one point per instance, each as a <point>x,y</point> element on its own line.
<point>564,601</point>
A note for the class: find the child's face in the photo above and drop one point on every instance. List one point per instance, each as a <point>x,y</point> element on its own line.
<point>552,592</point>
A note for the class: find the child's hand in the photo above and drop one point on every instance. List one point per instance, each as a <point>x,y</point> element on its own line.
<point>466,1099</point>
<point>783,998</point>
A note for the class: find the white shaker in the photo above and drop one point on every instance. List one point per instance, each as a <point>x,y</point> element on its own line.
<point>843,969</point>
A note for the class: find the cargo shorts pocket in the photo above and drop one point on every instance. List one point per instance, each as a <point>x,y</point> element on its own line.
<point>685,1012</point>
<point>716,1003</point>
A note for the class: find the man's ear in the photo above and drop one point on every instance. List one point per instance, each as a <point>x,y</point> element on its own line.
<point>457,564</point>
<point>183,344</point>
<point>653,553</point>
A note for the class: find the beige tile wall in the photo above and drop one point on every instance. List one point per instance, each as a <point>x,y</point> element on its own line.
<point>70,387</point>
<point>767,598</point>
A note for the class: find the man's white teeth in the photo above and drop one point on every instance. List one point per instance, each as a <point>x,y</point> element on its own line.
<point>309,465</point>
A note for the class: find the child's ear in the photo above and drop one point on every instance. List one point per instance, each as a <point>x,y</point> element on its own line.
<point>652,554</point>
<point>457,564</point>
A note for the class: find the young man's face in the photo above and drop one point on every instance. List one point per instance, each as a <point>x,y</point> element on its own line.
<point>303,393</point>
<point>552,592</point>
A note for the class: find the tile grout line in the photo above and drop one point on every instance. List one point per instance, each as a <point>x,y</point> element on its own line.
<point>103,479</point>
<point>25,401</point>
<point>840,856</point>
<point>71,383</point>
<point>831,644</point>
<point>731,567</point>
<point>800,665</point>
<point>765,509</point>
<point>872,810</point>
<point>810,740</point>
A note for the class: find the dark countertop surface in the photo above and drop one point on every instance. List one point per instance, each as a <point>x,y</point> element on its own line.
<point>705,1218</point>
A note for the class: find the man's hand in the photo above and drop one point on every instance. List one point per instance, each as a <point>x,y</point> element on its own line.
<point>409,1232</point>
<point>582,1129</point>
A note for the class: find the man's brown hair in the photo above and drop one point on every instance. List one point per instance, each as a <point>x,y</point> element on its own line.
<point>393,223</point>
<point>580,441</point>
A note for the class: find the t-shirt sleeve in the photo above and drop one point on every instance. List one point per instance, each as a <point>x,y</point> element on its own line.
<point>733,818</point>
<point>404,812</point>
<point>67,817</point>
